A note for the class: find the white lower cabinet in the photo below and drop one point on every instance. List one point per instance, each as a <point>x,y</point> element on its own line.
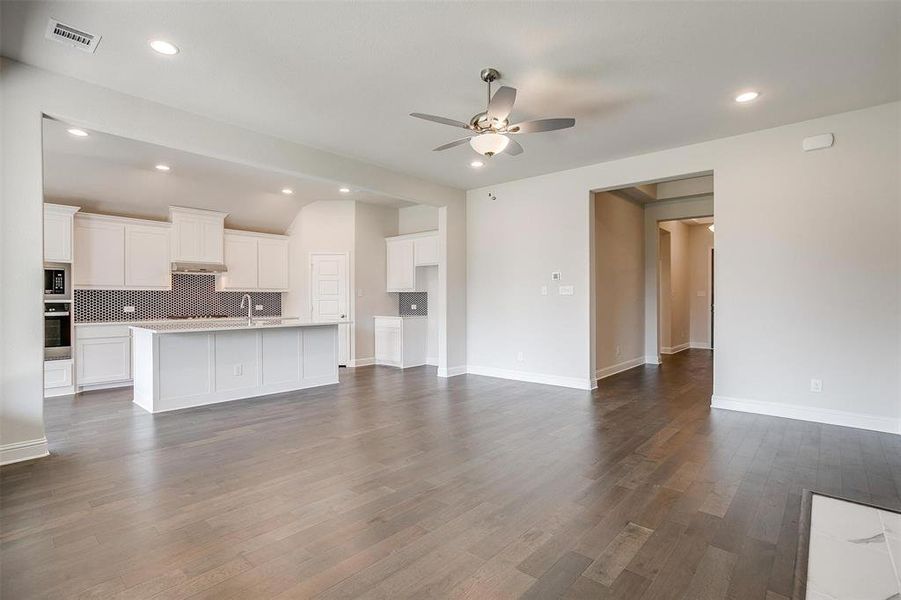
<point>401,341</point>
<point>58,377</point>
<point>102,355</point>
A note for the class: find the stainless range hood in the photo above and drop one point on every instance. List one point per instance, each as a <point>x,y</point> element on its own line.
<point>199,268</point>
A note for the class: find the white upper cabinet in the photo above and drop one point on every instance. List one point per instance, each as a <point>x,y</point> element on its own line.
<point>58,232</point>
<point>425,250</point>
<point>400,267</point>
<point>197,235</point>
<point>255,262</point>
<point>273,264</point>
<point>405,253</point>
<point>99,252</point>
<point>119,253</point>
<point>147,257</point>
<point>241,262</point>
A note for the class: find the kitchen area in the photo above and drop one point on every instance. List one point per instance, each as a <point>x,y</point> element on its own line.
<point>222,299</point>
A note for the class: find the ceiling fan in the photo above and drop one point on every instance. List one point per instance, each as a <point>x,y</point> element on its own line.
<point>491,128</point>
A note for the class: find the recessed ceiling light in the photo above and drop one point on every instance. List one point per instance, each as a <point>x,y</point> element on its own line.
<point>162,167</point>
<point>476,164</point>
<point>287,191</point>
<point>344,190</point>
<point>78,132</point>
<point>747,97</point>
<point>164,47</point>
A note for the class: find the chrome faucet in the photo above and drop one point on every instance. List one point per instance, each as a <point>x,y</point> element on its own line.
<point>249,308</point>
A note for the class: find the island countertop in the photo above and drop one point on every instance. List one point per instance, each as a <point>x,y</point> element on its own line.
<point>237,324</point>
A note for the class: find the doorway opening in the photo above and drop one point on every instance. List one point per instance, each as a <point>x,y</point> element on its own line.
<point>652,260</point>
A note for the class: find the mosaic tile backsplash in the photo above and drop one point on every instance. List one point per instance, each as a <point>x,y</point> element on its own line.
<point>406,300</point>
<point>191,295</point>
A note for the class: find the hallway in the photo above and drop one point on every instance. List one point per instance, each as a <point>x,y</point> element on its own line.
<point>400,484</point>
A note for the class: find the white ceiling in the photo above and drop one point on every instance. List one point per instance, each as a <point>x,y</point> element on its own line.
<point>108,174</point>
<point>343,76</point>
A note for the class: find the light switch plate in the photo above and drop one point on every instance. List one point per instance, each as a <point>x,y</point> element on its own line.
<point>566,290</point>
<point>128,309</point>
<point>556,276</point>
<point>412,307</point>
<point>258,307</point>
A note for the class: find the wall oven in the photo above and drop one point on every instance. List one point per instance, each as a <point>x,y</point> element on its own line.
<point>57,330</point>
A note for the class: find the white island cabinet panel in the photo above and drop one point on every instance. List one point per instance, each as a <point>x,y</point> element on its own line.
<point>282,360</point>
<point>320,349</point>
<point>184,365</point>
<point>237,364</point>
<point>187,364</point>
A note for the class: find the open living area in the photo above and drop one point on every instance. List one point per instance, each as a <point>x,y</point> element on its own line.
<point>469,300</point>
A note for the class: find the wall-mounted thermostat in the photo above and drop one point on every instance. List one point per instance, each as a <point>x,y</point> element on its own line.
<point>818,142</point>
<point>556,276</point>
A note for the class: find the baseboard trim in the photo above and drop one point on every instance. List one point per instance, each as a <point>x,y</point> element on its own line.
<point>808,413</point>
<point>361,362</point>
<point>699,345</point>
<point>431,361</point>
<point>619,368</point>
<point>104,386</point>
<point>675,349</point>
<point>570,382</point>
<point>652,360</point>
<point>452,371</point>
<point>27,450</point>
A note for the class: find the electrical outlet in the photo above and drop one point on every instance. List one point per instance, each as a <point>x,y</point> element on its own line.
<point>566,290</point>
<point>258,307</point>
<point>519,357</point>
<point>128,309</point>
<point>238,370</point>
<point>816,385</point>
<point>412,307</point>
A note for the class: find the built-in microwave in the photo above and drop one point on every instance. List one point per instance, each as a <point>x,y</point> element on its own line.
<point>57,284</point>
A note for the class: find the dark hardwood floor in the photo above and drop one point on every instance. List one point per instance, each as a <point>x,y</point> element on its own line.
<point>398,484</point>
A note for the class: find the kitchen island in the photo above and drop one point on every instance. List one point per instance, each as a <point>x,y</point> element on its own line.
<point>184,364</point>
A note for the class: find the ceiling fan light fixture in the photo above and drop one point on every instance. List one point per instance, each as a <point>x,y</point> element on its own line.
<point>489,144</point>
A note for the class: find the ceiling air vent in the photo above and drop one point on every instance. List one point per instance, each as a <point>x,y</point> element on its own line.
<point>68,35</point>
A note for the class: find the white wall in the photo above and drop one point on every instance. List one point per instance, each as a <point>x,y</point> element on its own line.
<point>700,242</point>
<point>679,273</point>
<point>798,296</point>
<point>27,93</point>
<point>413,219</point>
<point>619,265</point>
<point>372,225</point>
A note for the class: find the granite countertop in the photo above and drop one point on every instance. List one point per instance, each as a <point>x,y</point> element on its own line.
<point>197,325</point>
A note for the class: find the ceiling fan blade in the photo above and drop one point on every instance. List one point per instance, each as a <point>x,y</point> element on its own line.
<point>451,144</point>
<point>513,147</point>
<point>442,120</point>
<point>540,125</point>
<point>502,103</point>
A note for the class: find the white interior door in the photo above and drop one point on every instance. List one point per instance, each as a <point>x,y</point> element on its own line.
<point>329,297</point>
